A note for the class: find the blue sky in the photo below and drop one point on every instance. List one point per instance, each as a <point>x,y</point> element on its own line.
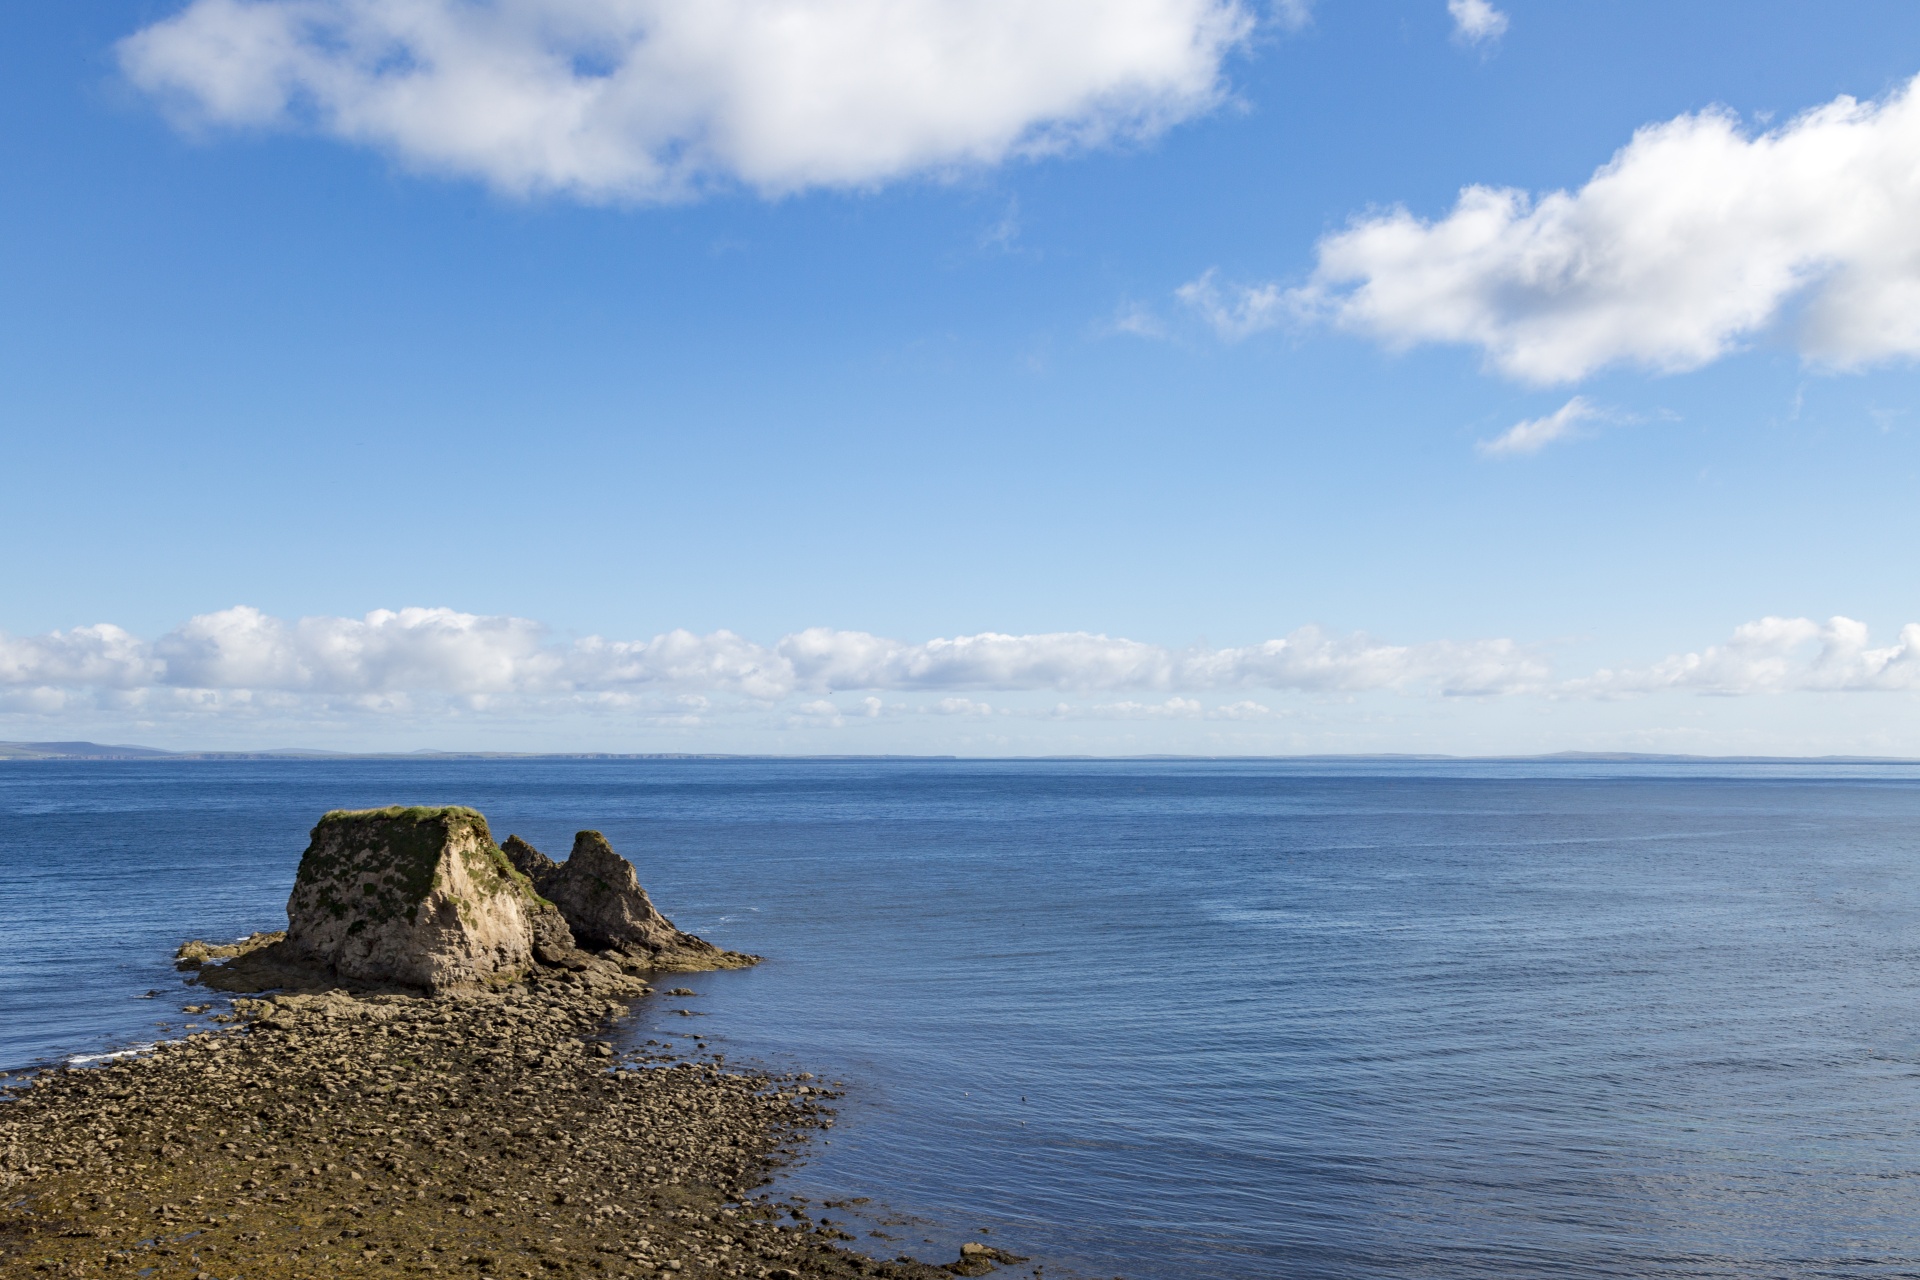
<point>346,409</point>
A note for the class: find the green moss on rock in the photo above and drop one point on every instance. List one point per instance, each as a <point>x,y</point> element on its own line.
<point>411,893</point>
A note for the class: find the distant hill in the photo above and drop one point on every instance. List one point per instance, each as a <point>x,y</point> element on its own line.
<point>75,751</point>
<point>100,751</point>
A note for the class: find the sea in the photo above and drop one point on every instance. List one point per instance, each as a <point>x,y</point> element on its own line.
<point>1158,1019</point>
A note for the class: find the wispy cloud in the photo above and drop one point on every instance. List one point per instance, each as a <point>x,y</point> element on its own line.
<point>1694,237</point>
<point>1234,311</point>
<point>1535,434</point>
<point>1138,320</point>
<point>1293,14</point>
<point>1003,233</point>
<point>1476,21</point>
<point>650,100</point>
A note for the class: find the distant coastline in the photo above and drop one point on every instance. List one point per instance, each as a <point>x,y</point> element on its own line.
<point>23,751</point>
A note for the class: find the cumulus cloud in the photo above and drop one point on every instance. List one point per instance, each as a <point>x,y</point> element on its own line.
<point>652,99</point>
<point>1476,21</point>
<point>1694,238</point>
<point>404,652</point>
<point>1779,655</point>
<point>1535,434</point>
<point>103,656</point>
<point>435,650</point>
<point>419,661</point>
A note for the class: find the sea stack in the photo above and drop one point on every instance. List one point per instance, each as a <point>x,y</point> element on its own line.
<point>424,899</point>
<point>599,894</point>
<point>415,896</point>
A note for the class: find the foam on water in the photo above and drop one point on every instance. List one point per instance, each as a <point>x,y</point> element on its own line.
<point>1176,1019</point>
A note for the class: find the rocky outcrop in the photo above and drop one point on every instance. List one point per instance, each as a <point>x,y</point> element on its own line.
<point>423,899</point>
<point>420,897</point>
<point>599,893</point>
<point>500,1134</point>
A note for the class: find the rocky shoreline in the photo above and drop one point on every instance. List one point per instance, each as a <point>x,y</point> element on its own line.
<point>428,1085</point>
<point>493,1135</point>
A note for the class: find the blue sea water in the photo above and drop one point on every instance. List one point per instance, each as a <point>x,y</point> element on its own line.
<point>1176,1019</point>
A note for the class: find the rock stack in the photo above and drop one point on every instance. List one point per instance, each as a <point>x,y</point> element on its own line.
<point>599,894</point>
<point>419,897</point>
<point>422,898</point>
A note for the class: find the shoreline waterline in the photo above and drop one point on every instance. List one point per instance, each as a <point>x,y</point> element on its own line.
<point>319,1134</point>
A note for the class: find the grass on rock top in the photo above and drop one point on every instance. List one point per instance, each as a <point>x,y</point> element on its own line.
<point>393,856</point>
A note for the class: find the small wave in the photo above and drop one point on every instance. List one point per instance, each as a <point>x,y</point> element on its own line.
<point>82,1059</point>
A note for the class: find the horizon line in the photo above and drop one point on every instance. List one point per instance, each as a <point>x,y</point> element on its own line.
<point>93,751</point>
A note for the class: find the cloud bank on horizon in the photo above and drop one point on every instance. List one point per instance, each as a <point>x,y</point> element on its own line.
<point>1696,237</point>
<point>223,660</point>
<point>650,100</point>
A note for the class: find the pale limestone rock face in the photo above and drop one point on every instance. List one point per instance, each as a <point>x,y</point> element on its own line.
<point>421,897</point>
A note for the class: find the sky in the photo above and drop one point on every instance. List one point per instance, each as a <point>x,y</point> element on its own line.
<point>983,377</point>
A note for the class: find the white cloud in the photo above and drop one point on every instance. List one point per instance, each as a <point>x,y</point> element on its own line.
<point>103,656</point>
<point>962,707</point>
<point>1695,237</point>
<point>1234,311</point>
<point>1535,434</point>
<point>720,660</point>
<point>411,649</point>
<point>1293,14</point>
<point>1137,320</point>
<point>650,99</point>
<point>1476,21</point>
<point>1779,655</point>
<point>824,658</point>
<point>1172,709</point>
<point>442,652</point>
<point>439,662</point>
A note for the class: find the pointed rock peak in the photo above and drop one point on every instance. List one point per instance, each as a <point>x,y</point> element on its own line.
<point>593,851</point>
<point>599,892</point>
<point>529,861</point>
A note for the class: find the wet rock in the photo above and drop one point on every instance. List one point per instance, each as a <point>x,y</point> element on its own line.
<point>978,1259</point>
<point>192,955</point>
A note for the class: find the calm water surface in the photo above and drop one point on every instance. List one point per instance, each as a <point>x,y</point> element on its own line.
<point>1180,1019</point>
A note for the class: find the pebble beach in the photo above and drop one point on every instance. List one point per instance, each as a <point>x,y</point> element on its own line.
<point>492,1135</point>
